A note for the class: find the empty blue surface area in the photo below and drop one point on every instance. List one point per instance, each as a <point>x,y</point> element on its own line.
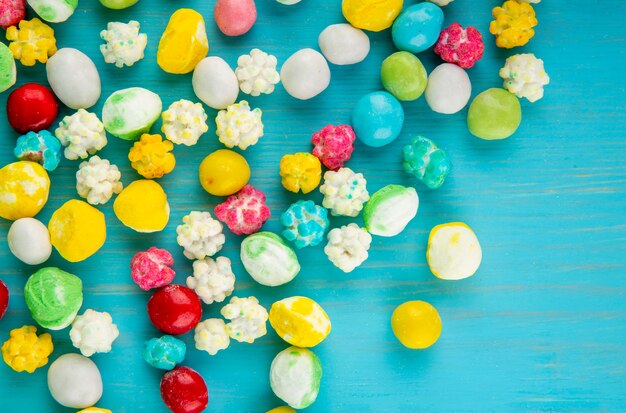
<point>540,328</point>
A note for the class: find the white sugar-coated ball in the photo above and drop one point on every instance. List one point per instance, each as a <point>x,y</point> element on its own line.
<point>343,44</point>
<point>449,89</point>
<point>453,252</point>
<point>288,2</point>
<point>74,381</point>
<point>215,83</point>
<point>74,78</point>
<point>29,241</point>
<point>305,74</point>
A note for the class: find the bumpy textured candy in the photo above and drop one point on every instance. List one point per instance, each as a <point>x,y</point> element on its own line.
<point>256,73</point>
<point>40,147</point>
<point>344,192</point>
<point>124,44</point>
<point>82,134</point>
<point>224,172</point>
<point>24,187</point>
<point>239,126</point>
<point>211,336</point>
<point>4,299</point>
<point>494,114</point>
<point>300,172</point>
<point>247,319</point>
<point>75,381</point>
<point>343,44</point>
<point>74,78</point>
<point>118,4</point>
<point>245,212</point>
<point>235,17</point>
<point>348,246</point>
<point>143,206</point>
<point>25,350</point>
<point>305,74</point>
<point>449,89</point>
<point>418,27</point>
<point>426,162</point>
<point>152,268</point>
<point>390,209</point>
<point>54,11</point>
<point>212,280</point>
<point>34,41</point>
<point>97,180</point>
<point>334,145</point>
<point>461,46</point>
<point>295,376</point>
<point>151,156</point>
<point>305,223</point>
<point>371,15</point>
<point>8,70</point>
<point>215,83</point>
<point>77,230</point>
<point>404,76</point>
<point>129,113</point>
<point>31,107</point>
<point>184,122</point>
<point>378,118</point>
<point>200,235</point>
<point>300,321</point>
<point>268,259</point>
<point>525,76</point>
<point>93,332</point>
<point>164,352</point>
<point>12,12</point>
<point>183,43</point>
<point>453,252</point>
<point>29,241</point>
<point>174,309</point>
<point>416,324</point>
<point>184,391</point>
<point>513,24</point>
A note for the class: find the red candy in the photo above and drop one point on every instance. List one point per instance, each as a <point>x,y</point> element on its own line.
<point>245,212</point>
<point>334,145</point>
<point>174,309</point>
<point>463,47</point>
<point>151,269</point>
<point>4,298</point>
<point>184,391</point>
<point>12,12</point>
<point>31,107</point>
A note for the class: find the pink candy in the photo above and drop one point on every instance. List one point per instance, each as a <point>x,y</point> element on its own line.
<point>245,212</point>
<point>151,269</point>
<point>12,12</point>
<point>235,17</point>
<point>334,145</point>
<point>463,47</point>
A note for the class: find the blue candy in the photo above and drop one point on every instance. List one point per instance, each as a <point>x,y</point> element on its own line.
<point>305,223</point>
<point>39,147</point>
<point>377,119</point>
<point>418,27</point>
<point>164,352</point>
<point>426,162</point>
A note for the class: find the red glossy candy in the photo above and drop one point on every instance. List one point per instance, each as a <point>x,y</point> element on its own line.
<point>31,107</point>
<point>184,391</point>
<point>12,12</point>
<point>174,309</point>
<point>4,298</point>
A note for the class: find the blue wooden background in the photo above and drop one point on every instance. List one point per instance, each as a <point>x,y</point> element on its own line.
<point>541,327</point>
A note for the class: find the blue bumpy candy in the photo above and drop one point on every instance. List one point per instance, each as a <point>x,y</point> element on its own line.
<point>426,162</point>
<point>39,147</point>
<point>377,119</point>
<point>164,352</point>
<point>418,27</point>
<point>305,223</point>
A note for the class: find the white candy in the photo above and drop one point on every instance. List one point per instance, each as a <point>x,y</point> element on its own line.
<point>239,125</point>
<point>54,11</point>
<point>305,74</point>
<point>82,134</point>
<point>212,280</point>
<point>449,89</point>
<point>93,332</point>
<point>124,44</point>
<point>525,76</point>
<point>453,252</point>
<point>288,2</point>
<point>129,113</point>
<point>184,122</point>
<point>390,210</point>
<point>257,73</point>
<point>29,241</point>
<point>343,44</point>
<point>530,1</point>
<point>268,259</point>
<point>200,235</point>
<point>442,3</point>
<point>348,246</point>
<point>247,319</point>
<point>215,83</point>
<point>211,336</point>
<point>74,78</point>
<point>74,381</point>
<point>344,191</point>
<point>97,180</point>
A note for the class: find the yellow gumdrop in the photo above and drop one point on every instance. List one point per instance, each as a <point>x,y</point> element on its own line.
<point>25,351</point>
<point>372,15</point>
<point>300,172</point>
<point>143,206</point>
<point>513,24</point>
<point>224,172</point>
<point>416,324</point>
<point>151,156</point>
<point>34,41</point>
<point>95,410</point>
<point>282,409</point>
<point>24,189</point>
<point>184,42</point>
<point>300,321</point>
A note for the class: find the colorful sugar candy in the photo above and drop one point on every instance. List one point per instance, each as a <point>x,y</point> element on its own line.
<point>215,83</point>
<point>129,113</point>
<point>256,73</point>
<point>300,321</point>
<point>41,147</point>
<point>174,309</point>
<point>184,391</point>
<point>54,11</point>
<point>416,324</point>
<point>93,332</point>
<point>424,160</point>
<point>234,17</point>
<point>142,206</point>
<point>377,119</point>
<point>494,114</point>
<point>333,145</point>
<point>268,259</point>
<point>25,186</point>
<point>418,27</point>
<point>390,210</point>
<point>74,78</point>
<point>513,24</point>
<point>211,336</point>
<point>344,192</point>
<point>453,251</point>
<point>29,241</point>
<point>31,108</point>
<point>12,12</point>
<point>31,41</point>
<point>184,122</point>
<point>152,268</point>
<point>305,224</point>
<point>25,350</point>
<point>8,70</point>
<point>164,352</point>
<point>300,172</point>
<point>97,180</point>
<point>372,15</point>
<point>247,319</point>
<point>124,44</point>
<point>404,76</point>
<point>525,76</point>
<point>461,46</point>
<point>75,381</point>
<point>183,43</point>
<point>295,376</point>
<point>151,156</point>
<point>82,134</point>
<point>200,235</point>
<point>305,74</point>
<point>245,212</point>
<point>348,247</point>
<point>343,44</point>
<point>213,279</point>
<point>239,125</point>
<point>448,89</point>
<point>224,172</point>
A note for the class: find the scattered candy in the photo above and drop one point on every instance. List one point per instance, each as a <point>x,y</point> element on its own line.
<point>377,119</point>
<point>461,46</point>
<point>212,280</point>
<point>295,376</point>
<point>75,381</point>
<point>449,89</point>
<point>215,83</point>
<point>334,145</point>
<point>95,410</point>
<point>54,11</point>
<point>224,172</point>
<point>82,134</point>
<point>124,44</point>
<point>32,42</point>
<point>305,224</point>
<point>151,156</point>
<point>344,192</point>
<point>118,4</point>
<point>239,126</point>
<point>442,3</point>
<point>211,336</point>
<point>174,309</point>
<point>200,235</point>
<point>281,409</point>
<point>143,206</point>
<point>525,76</point>
<point>184,42</point>
<point>288,2</point>
<point>29,241</point>
<point>247,319</point>
<point>268,259</point>
<point>4,299</point>
<point>453,252</point>
<point>372,15</point>
<point>74,78</point>
<point>245,212</point>
<point>256,73</point>
<point>152,268</point>
<point>404,76</point>
<point>494,114</point>
<point>343,44</point>
<point>348,246</point>
<point>25,350</point>
<point>184,122</point>
<point>300,321</point>
<point>390,210</point>
<point>416,324</point>
<point>12,12</point>
<point>184,391</point>
<point>31,108</point>
<point>300,172</point>
<point>164,352</point>
<point>424,160</point>
<point>24,187</point>
<point>235,17</point>
<point>418,27</point>
<point>40,147</point>
<point>8,70</point>
<point>513,24</point>
<point>305,74</point>
<point>129,113</point>
<point>93,332</point>
<point>97,180</point>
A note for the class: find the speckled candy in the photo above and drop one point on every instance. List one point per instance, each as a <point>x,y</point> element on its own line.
<point>164,352</point>
<point>418,27</point>
<point>404,76</point>
<point>377,119</point>
<point>24,187</point>
<point>152,268</point>
<point>235,17</point>
<point>461,46</point>
<point>295,376</point>
<point>174,309</point>
<point>305,223</point>
<point>390,209</point>
<point>129,113</point>
<point>245,212</point>
<point>268,259</point>
<point>426,162</point>
<point>183,390</point>
<point>12,12</point>
<point>494,114</point>
<point>31,108</point>
<point>41,147</point>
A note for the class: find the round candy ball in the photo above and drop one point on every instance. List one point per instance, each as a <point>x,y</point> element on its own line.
<point>377,119</point>
<point>404,76</point>
<point>215,83</point>
<point>174,309</point>
<point>343,44</point>
<point>74,381</point>
<point>74,78</point>
<point>224,172</point>
<point>494,114</point>
<point>164,352</point>
<point>4,298</point>
<point>305,74</point>
<point>418,27</point>
<point>31,108</point>
<point>416,324</point>
<point>183,390</point>
<point>143,206</point>
<point>118,4</point>
<point>453,251</point>
<point>235,17</point>
<point>24,186</point>
<point>29,241</point>
<point>449,89</point>
<point>295,376</point>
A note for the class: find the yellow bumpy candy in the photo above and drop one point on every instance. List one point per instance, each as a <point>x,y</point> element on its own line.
<point>25,351</point>
<point>300,321</point>
<point>513,24</point>
<point>151,156</point>
<point>416,324</point>
<point>372,15</point>
<point>300,172</point>
<point>24,189</point>
<point>33,41</point>
<point>184,42</point>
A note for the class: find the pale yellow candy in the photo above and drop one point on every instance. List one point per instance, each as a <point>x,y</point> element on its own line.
<point>95,410</point>
<point>24,189</point>
<point>300,321</point>
<point>143,206</point>
<point>453,252</point>
<point>184,42</point>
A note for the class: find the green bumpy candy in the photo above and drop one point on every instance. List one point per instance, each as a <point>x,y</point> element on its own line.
<point>8,72</point>
<point>118,4</point>
<point>404,76</point>
<point>494,114</point>
<point>295,376</point>
<point>55,11</point>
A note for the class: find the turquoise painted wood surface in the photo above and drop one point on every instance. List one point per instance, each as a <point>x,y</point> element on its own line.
<point>541,327</point>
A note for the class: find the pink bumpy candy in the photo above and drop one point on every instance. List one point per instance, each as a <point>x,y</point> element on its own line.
<point>235,17</point>
<point>463,47</point>
<point>12,12</point>
<point>245,212</point>
<point>334,145</point>
<point>151,269</point>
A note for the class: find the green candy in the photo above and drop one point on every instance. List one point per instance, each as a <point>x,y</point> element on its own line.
<point>295,376</point>
<point>268,259</point>
<point>390,210</point>
<point>494,114</point>
<point>54,11</point>
<point>53,297</point>
<point>8,73</point>
<point>129,113</point>
<point>404,76</point>
<point>118,4</point>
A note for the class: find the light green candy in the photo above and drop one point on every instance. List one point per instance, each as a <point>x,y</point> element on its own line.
<point>390,209</point>
<point>404,76</point>
<point>129,113</point>
<point>55,11</point>
<point>494,114</point>
<point>118,4</point>
<point>268,259</point>
<point>8,72</point>
<point>295,376</point>
<point>53,297</point>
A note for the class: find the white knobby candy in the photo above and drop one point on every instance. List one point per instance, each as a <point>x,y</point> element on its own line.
<point>215,83</point>
<point>239,125</point>
<point>74,78</point>
<point>29,241</point>
<point>343,44</point>
<point>448,89</point>
<point>390,209</point>
<point>247,319</point>
<point>344,192</point>
<point>453,252</point>
<point>93,332</point>
<point>211,336</point>
<point>184,122</point>
<point>82,134</point>
<point>200,235</point>
<point>348,246</point>
<point>212,280</point>
<point>295,376</point>
<point>97,180</point>
<point>75,381</point>
<point>268,259</point>
<point>129,113</point>
<point>257,73</point>
<point>124,44</point>
<point>525,76</point>
<point>305,74</point>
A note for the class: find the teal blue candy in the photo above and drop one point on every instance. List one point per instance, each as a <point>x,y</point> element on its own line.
<point>164,352</point>
<point>426,162</point>
<point>377,119</point>
<point>418,27</point>
<point>305,224</point>
<point>39,147</point>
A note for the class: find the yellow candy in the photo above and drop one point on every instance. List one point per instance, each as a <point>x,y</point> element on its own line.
<point>373,15</point>
<point>25,351</point>
<point>224,172</point>
<point>513,24</point>
<point>77,230</point>
<point>33,41</point>
<point>300,172</point>
<point>94,410</point>
<point>24,189</point>
<point>416,324</point>
<point>300,321</point>
<point>184,42</point>
<point>282,409</point>
<point>143,206</point>
<point>151,157</point>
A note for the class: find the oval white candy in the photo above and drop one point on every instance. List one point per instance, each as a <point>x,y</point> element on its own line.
<point>268,259</point>
<point>305,74</point>
<point>29,241</point>
<point>343,44</point>
<point>74,78</point>
<point>449,89</point>
<point>75,381</point>
<point>215,83</point>
<point>390,210</point>
<point>453,252</point>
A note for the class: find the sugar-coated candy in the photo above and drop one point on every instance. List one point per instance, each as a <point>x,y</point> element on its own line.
<point>41,147</point>
<point>513,24</point>
<point>288,2</point>
<point>295,376</point>
<point>118,4</point>
<point>305,223</point>
<point>151,156</point>
<point>343,44</point>
<point>129,113</point>
<point>348,247</point>
<point>164,352</point>
<point>174,309</point>
<point>416,324</point>
<point>215,83</point>
<point>31,41</point>
<point>75,381</point>
<point>247,319</point>
<point>183,390</point>
<point>53,297</point>
<point>29,241</point>
<point>4,299</point>
<point>152,268</point>
<point>305,74</point>
<point>74,78</point>
<point>31,108</point>
<point>213,279</point>
<point>300,321</point>
<point>82,134</point>
<point>300,172</point>
<point>12,12</point>
<point>494,114</point>
<point>200,235</point>
<point>97,180</point>
<point>245,212</point>
<point>461,46</point>
<point>333,145</point>
<point>525,76</point>
<point>143,206</point>
<point>442,3</point>
<point>183,43</point>
<point>211,336</point>
<point>256,73</point>
<point>239,125</point>
<point>8,70</point>
<point>184,122</point>
<point>448,89</point>
<point>377,119</point>
<point>24,187</point>
<point>25,350</point>
<point>223,172</point>
<point>268,259</point>
<point>282,409</point>
<point>390,209</point>
<point>404,76</point>
<point>77,230</point>
<point>425,161</point>
<point>93,332</point>
<point>235,17</point>
<point>453,251</point>
<point>124,45</point>
<point>54,11</point>
<point>418,27</point>
<point>344,192</point>
<point>372,15</point>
